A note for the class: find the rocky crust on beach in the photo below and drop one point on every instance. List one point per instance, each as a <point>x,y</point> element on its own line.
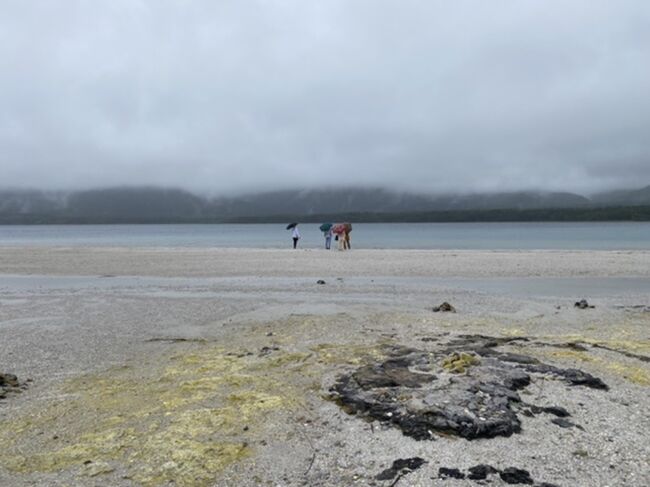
<point>9,384</point>
<point>464,387</point>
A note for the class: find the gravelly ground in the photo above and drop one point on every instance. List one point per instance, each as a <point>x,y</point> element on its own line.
<point>107,331</point>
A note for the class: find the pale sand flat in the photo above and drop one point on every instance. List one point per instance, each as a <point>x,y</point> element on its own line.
<point>167,377</point>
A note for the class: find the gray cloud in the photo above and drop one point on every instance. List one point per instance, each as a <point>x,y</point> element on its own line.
<point>247,95</point>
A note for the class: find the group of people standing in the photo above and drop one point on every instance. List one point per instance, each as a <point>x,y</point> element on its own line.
<point>343,237</point>
<point>340,231</point>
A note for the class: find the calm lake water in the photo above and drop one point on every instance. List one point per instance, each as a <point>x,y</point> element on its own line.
<point>480,236</point>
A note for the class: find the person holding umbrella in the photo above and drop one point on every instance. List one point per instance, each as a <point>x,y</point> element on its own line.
<point>326,228</point>
<point>339,230</point>
<point>295,234</point>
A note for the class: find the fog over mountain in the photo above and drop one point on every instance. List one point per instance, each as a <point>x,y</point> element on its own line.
<point>168,205</point>
<point>232,98</point>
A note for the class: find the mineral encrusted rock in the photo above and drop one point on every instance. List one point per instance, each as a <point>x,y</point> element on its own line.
<point>413,389</point>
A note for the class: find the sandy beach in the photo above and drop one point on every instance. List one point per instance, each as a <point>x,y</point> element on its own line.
<point>211,367</point>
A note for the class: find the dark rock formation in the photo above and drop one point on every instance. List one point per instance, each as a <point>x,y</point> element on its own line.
<point>8,380</point>
<point>418,405</point>
<point>424,392</point>
<point>445,308</point>
<point>583,304</point>
<point>401,466</point>
<point>450,473</point>
<point>558,411</point>
<point>574,377</point>
<point>481,472</point>
<point>391,373</point>
<point>510,475</point>
<point>9,383</point>
<point>565,423</point>
<point>513,475</point>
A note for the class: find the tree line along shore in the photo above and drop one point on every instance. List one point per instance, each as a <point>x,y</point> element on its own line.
<point>621,213</point>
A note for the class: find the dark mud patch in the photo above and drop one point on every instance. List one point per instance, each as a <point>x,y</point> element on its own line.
<point>465,387</point>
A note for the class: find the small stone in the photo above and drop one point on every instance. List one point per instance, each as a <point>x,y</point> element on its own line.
<point>320,281</point>
<point>513,475</point>
<point>445,308</point>
<point>583,304</point>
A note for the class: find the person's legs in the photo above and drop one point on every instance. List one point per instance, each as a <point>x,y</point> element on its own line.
<point>328,242</point>
<point>295,242</point>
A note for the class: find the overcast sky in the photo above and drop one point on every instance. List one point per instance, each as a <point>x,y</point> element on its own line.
<point>237,96</point>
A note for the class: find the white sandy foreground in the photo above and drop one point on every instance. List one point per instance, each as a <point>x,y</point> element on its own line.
<point>201,367</point>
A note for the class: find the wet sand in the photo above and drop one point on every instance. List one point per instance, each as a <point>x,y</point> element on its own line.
<point>220,262</point>
<point>213,367</point>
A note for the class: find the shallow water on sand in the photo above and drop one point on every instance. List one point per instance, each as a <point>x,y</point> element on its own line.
<point>204,287</point>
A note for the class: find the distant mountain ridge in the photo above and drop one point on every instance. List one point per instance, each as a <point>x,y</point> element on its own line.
<point>151,204</point>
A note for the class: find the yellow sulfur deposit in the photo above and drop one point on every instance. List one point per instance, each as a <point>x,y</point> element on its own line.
<point>572,355</point>
<point>458,363</point>
<point>634,374</point>
<point>180,419</point>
